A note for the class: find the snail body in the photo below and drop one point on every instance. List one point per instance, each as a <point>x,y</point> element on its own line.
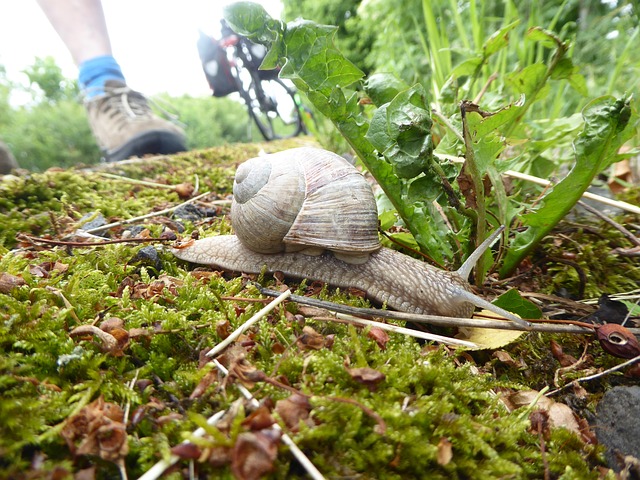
<point>309,214</point>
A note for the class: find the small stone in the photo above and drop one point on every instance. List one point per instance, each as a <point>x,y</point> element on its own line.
<point>618,424</point>
<point>148,256</point>
<point>97,221</point>
<point>192,213</point>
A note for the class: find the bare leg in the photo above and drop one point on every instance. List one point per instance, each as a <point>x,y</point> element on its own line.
<point>81,26</point>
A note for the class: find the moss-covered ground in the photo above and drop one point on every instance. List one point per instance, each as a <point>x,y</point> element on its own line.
<point>421,411</point>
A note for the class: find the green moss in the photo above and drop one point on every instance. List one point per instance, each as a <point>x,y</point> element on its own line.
<point>46,375</point>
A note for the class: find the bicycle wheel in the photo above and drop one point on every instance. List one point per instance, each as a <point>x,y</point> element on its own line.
<point>273,107</point>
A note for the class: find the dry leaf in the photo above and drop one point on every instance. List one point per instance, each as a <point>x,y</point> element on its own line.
<point>560,415</point>
<point>504,357</point>
<point>8,282</point>
<point>253,454</point>
<point>97,429</point>
<point>564,359</point>
<point>203,385</point>
<point>310,339</point>
<point>259,419</point>
<point>293,409</point>
<point>380,336</point>
<point>445,451</point>
<point>184,190</point>
<point>187,451</point>
<point>367,376</point>
<point>488,338</point>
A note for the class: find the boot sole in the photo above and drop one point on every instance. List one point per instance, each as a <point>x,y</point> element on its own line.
<point>154,142</point>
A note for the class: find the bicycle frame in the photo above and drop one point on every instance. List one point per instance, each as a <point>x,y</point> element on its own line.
<point>270,102</point>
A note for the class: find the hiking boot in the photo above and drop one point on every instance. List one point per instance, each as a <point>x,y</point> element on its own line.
<point>124,125</point>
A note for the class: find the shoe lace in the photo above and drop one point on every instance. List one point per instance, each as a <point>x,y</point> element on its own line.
<point>134,104</point>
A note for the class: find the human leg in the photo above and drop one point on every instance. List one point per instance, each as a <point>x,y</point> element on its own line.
<point>120,118</point>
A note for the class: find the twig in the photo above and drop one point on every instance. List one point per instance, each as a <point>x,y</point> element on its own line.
<point>591,196</point>
<point>148,215</point>
<point>134,181</point>
<point>239,331</point>
<point>66,243</point>
<point>537,325</point>
<point>596,375</point>
<point>448,124</point>
<point>401,330</point>
<point>485,87</point>
<point>286,439</point>
<point>570,368</point>
<point>632,238</point>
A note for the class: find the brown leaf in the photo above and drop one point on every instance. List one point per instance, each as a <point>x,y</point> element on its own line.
<point>253,454</point>
<point>239,367</point>
<point>564,359</point>
<point>184,190</point>
<point>111,323</point>
<point>38,271</point>
<point>504,357</point>
<point>187,450</point>
<point>259,419</point>
<point>293,409</point>
<point>367,376</point>
<point>310,339</point>
<point>8,282</point>
<point>203,385</point>
<point>539,420</point>
<point>633,371</point>
<point>445,451</point>
<point>618,341</point>
<point>380,336</point>
<point>560,415</point>
<point>223,329</point>
<point>97,429</point>
<point>109,342</point>
<point>309,312</point>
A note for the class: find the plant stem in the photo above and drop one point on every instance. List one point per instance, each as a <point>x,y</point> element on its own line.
<point>471,169</point>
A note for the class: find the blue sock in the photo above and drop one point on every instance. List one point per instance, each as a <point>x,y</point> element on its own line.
<point>95,72</point>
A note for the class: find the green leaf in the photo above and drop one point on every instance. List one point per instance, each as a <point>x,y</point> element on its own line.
<point>401,131</point>
<point>467,67</point>
<point>498,40</point>
<point>387,219</point>
<point>383,87</point>
<point>252,20</point>
<point>512,301</point>
<point>545,37</point>
<point>312,57</point>
<point>608,124</point>
<point>528,80</point>
<point>481,126</point>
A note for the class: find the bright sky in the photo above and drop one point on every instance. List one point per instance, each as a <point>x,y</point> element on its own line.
<point>153,40</point>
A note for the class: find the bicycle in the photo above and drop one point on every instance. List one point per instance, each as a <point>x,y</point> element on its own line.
<point>231,65</point>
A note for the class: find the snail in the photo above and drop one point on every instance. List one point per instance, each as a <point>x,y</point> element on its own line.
<point>310,214</point>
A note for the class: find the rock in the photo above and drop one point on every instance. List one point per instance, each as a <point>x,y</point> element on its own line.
<point>618,424</point>
<point>147,256</point>
<point>192,213</point>
<point>93,220</point>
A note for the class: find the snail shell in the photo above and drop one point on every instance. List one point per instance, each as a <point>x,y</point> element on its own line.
<point>304,199</point>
